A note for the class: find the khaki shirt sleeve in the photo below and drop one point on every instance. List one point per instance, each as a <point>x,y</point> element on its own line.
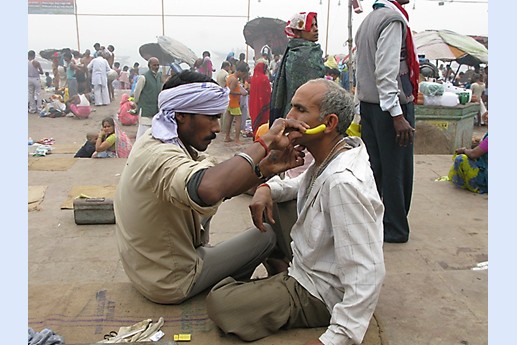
<point>172,177</point>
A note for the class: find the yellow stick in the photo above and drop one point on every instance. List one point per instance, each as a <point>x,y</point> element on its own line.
<point>316,130</point>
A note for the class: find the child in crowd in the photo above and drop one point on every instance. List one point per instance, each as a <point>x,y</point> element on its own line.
<point>124,78</point>
<point>48,79</point>
<point>87,150</point>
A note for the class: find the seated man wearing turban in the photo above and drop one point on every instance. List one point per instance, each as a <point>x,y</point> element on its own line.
<point>169,190</point>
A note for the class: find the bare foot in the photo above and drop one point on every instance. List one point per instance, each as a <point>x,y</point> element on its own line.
<point>227,140</point>
<point>274,266</point>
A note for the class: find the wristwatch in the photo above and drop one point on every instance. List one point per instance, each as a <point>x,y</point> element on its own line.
<point>259,173</point>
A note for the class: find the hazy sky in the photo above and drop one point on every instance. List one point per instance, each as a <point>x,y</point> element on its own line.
<point>217,25</point>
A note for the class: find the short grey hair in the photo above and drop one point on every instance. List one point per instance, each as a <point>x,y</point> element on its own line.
<point>337,101</point>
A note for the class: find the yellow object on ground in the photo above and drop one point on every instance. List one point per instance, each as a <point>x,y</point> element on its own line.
<point>182,337</point>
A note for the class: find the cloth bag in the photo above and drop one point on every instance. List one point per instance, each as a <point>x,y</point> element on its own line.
<point>143,331</point>
<point>123,144</point>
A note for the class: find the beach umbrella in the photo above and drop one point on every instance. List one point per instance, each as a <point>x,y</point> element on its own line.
<point>263,31</point>
<point>448,45</point>
<point>49,54</point>
<point>481,39</point>
<point>168,50</point>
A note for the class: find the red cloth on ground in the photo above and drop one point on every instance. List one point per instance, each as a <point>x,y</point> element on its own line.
<point>124,116</point>
<point>260,97</point>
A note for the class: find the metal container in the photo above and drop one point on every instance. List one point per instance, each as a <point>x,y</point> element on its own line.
<point>94,211</point>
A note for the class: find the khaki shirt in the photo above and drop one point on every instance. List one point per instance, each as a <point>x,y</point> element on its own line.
<point>158,225</point>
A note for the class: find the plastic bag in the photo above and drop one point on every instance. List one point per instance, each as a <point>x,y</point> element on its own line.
<point>431,89</point>
<point>448,99</point>
<point>354,130</point>
<point>143,331</point>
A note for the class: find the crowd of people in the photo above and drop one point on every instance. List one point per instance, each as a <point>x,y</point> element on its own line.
<point>92,77</point>
<point>325,264</point>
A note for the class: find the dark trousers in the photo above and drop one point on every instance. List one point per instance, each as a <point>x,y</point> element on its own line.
<point>392,167</point>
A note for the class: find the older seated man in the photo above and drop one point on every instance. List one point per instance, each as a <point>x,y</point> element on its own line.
<point>337,266</point>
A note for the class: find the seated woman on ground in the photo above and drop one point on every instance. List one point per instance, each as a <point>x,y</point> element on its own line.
<point>105,146</point>
<point>127,112</point>
<point>80,106</point>
<point>470,168</point>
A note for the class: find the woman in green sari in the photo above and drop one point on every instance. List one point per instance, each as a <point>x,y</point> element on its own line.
<point>470,168</point>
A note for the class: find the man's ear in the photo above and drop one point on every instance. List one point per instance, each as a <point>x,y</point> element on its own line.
<point>180,118</point>
<point>331,122</point>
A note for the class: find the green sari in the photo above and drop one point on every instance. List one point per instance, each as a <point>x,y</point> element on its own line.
<point>301,62</point>
<point>471,174</point>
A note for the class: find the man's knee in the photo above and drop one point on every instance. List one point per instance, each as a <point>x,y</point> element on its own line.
<point>250,310</point>
<point>269,235</point>
<point>219,303</point>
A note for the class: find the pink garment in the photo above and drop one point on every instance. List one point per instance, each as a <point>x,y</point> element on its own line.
<point>124,116</point>
<point>123,145</point>
<point>484,144</point>
<point>206,67</point>
<point>82,111</point>
<point>124,78</point>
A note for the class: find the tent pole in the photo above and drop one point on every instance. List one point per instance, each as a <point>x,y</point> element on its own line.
<point>77,27</point>
<point>455,74</point>
<point>350,48</point>
<point>248,19</point>
<point>163,21</point>
<point>327,31</point>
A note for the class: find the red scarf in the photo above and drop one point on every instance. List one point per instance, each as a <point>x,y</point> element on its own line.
<point>411,59</point>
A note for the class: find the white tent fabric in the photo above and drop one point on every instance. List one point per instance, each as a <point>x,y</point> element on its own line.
<point>448,45</point>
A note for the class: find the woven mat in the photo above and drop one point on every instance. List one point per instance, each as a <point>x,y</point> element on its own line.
<point>36,195</point>
<point>49,163</point>
<point>106,191</point>
<point>83,313</point>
